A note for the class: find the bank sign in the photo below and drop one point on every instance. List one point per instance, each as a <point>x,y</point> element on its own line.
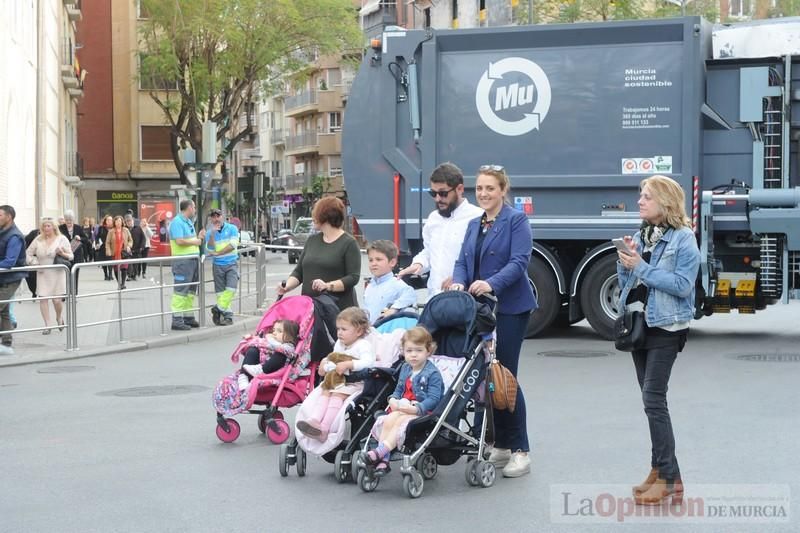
<point>513,96</point>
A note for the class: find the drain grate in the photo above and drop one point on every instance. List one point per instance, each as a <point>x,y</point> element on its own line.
<point>573,353</point>
<point>770,357</point>
<point>64,369</point>
<point>155,390</point>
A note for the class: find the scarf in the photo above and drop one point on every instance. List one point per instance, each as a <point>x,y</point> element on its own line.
<point>652,233</point>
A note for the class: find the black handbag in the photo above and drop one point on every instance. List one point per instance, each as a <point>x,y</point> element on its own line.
<point>629,331</point>
<point>61,260</point>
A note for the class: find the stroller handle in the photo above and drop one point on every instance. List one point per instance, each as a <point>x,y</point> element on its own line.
<point>280,296</point>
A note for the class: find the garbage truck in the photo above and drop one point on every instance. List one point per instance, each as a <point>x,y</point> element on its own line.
<point>578,115</point>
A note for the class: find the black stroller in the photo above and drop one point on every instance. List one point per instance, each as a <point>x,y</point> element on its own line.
<point>463,329</point>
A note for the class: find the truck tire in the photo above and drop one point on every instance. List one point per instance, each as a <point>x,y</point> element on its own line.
<point>600,296</point>
<point>547,296</point>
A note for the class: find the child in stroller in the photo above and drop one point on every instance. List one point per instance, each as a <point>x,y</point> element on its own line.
<point>462,329</point>
<point>286,387</point>
<point>419,389</point>
<point>275,347</point>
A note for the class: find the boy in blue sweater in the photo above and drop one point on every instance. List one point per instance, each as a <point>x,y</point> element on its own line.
<point>385,294</point>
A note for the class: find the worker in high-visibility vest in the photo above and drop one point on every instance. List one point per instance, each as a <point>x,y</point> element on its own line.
<point>222,243</point>
<point>184,242</point>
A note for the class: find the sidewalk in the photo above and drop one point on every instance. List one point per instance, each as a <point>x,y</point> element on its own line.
<point>137,333</point>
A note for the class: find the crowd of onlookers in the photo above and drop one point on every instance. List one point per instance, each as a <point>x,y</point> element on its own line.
<point>65,242</point>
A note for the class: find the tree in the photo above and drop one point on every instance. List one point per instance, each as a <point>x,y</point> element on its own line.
<point>217,54</point>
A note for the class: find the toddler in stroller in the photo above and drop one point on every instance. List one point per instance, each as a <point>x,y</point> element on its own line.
<point>286,386</point>
<point>268,354</point>
<point>462,329</point>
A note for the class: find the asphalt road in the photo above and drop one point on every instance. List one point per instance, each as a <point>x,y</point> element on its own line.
<point>87,445</point>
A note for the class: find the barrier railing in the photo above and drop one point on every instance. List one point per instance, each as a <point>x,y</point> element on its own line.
<point>252,285</point>
<point>70,316</point>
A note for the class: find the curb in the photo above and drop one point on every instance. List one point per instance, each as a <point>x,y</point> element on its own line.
<point>209,332</point>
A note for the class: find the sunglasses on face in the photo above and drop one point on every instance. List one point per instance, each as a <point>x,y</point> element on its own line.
<point>492,168</point>
<point>441,194</point>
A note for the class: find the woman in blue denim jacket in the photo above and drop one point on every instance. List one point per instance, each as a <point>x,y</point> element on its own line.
<point>658,274</point>
<point>418,392</point>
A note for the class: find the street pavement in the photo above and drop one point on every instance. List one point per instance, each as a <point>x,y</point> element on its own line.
<point>126,442</point>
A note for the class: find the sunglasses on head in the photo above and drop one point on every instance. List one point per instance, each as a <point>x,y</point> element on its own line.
<point>492,168</point>
<point>442,194</point>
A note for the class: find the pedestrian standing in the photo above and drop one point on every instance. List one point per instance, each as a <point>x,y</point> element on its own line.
<point>138,245</point>
<point>222,242</point>
<point>12,254</point>
<point>444,228</point>
<point>148,234</point>
<point>657,274</point>
<point>184,242</point>
<point>77,238</point>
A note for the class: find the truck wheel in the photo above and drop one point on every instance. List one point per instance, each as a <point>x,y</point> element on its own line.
<point>600,296</point>
<point>547,296</point>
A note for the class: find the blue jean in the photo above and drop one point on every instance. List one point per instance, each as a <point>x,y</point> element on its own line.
<point>653,368</point>
<point>511,429</point>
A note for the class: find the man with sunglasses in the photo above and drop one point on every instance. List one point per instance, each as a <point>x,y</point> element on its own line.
<point>444,228</point>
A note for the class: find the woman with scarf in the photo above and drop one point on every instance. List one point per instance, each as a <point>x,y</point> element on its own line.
<point>118,246</point>
<point>657,274</point>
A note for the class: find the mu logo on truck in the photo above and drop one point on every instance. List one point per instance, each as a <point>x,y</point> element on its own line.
<point>517,96</point>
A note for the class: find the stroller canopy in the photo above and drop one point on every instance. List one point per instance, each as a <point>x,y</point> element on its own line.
<point>457,322</point>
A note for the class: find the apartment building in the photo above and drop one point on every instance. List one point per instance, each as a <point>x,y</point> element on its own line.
<point>123,136</point>
<point>377,14</point>
<point>41,81</point>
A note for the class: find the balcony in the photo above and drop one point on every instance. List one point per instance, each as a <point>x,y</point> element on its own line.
<point>253,122</point>
<point>330,101</point>
<point>301,103</point>
<point>277,137</point>
<point>73,10</point>
<point>296,182</point>
<point>330,143</point>
<point>302,144</point>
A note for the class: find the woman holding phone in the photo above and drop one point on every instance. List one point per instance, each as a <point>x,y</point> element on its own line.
<point>657,271</point>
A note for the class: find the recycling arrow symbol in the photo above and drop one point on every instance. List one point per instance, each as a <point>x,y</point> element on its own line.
<point>532,119</point>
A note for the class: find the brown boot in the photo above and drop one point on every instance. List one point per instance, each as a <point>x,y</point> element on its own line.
<point>651,478</point>
<point>659,491</point>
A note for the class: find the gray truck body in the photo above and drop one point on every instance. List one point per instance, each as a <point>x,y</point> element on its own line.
<point>578,115</point>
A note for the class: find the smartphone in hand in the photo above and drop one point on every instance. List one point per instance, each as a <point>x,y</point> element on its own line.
<point>621,246</point>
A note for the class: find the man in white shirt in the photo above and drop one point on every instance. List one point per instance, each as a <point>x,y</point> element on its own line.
<point>444,228</point>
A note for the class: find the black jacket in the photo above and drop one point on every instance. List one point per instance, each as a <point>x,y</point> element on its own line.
<point>137,234</point>
<point>77,231</point>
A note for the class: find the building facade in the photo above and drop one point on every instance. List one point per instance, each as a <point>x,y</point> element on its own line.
<point>41,81</point>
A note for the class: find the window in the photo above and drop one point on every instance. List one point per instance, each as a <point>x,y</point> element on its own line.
<point>334,122</point>
<point>155,143</point>
<point>152,78</point>
<point>740,8</point>
<point>276,169</point>
<point>427,17</point>
<point>141,11</point>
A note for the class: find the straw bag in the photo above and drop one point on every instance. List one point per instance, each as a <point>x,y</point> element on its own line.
<point>503,387</point>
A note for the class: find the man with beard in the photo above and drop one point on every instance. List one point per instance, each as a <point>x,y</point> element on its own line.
<point>444,228</point>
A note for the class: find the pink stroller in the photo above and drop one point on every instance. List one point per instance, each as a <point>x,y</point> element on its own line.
<point>285,388</point>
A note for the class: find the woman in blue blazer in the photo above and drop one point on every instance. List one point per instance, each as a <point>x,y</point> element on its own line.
<point>494,257</point>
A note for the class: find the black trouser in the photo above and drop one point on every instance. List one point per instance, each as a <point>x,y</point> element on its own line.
<point>653,367</point>
<point>275,361</point>
<point>143,266</point>
<point>134,268</point>
<point>120,274</point>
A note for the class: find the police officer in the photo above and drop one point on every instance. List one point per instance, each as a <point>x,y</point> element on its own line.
<point>222,242</point>
<point>184,242</point>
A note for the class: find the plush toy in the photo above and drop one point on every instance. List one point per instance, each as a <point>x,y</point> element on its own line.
<point>332,379</point>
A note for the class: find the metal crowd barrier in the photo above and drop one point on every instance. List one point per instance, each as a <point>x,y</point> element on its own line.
<point>67,319</point>
<point>249,271</point>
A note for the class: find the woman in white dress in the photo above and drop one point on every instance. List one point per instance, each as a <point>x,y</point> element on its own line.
<point>51,282</point>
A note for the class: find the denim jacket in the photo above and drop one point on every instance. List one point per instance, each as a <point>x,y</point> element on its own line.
<point>670,277</point>
<point>428,386</point>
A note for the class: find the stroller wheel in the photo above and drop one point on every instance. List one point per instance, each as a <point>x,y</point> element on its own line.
<point>427,466</point>
<point>341,466</point>
<point>300,462</point>
<point>277,431</point>
<point>233,431</point>
<point>367,483</point>
<point>486,473</point>
<point>413,484</point>
<point>471,473</point>
<point>355,460</point>
<point>283,460</point>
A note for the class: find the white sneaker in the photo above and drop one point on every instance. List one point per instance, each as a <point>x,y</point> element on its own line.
<point>499,457</point>
<point>518,465</point>
<point>243,381</point>
<point>253,370</point>
<point>6,350</point>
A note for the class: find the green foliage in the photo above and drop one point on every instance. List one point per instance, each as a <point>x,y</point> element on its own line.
<point>219,53</point>
<point>785,8</point>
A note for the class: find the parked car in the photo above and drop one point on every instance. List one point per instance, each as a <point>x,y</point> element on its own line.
<point>245,240</point>
<point>303,228</point>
